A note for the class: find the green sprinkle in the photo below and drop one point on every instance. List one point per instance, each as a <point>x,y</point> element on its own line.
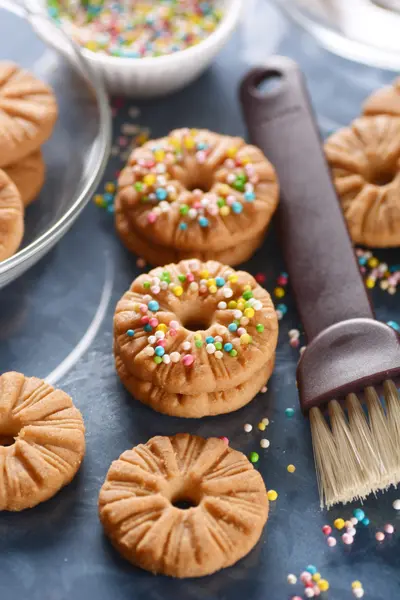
<point>247,294</point>
<point>182,278</point>
<point>138,186</point>
<point>221,202</point>
<point>218,345</point>
<point>233,352</point>
<point>260,328</point>
<point>184,209</point>
<point>146,285</point>
<point>238,185</point>
<point>198,343</point>
<point>289,412</point>
<point>254,457</point>
<point>157,360</point>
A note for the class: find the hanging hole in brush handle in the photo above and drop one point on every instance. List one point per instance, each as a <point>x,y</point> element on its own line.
<point>320,259</point>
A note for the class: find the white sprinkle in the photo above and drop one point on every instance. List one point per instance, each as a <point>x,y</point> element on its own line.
<point>175,356</point>
<point>164,285</point>
<point>354,521</point>
<point>194,286</point>
<point>279,315</point>
<point>228,293</point>
<point>309,593</point>
<point>265,421</point>
<point>219,354</point>
<point>302,349</point>
<point>257,305</point>
<point>222,305</point>
<point>210,348</point>
<point>247,427</point>
<point>294,334</point>
<point>292,579</point>
<point>218,338</point>
<point>152,339</point>
<point>147,298</point>
<point>186,346</point>
<point>264,443</point>
<point>192,213</point>
<point>149,350</point>
<point>166,359</point>
<point>160,335</point>
<point>155,289</point>
<point>237,314</point>
<point>351,531</point>
<point>396,504</point>
<point>244,321</point>
<point>358,592</point>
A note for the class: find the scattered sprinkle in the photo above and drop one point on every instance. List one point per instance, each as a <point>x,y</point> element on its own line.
<point>339,523</point>
<point>272,495</point>
<point>331,541</point>
<point>356,584</point>
<point>289,412</point>
<point>291,468</point>
<point>247,427</point>
<point>323,585</point>
<point>388,528</point>
<point>264,443</point>
<point>396,504</point>
<point>292,579</point>
<point>379,536</point>
<point>327,530</point>
<point>254,457</point>
<point>347,538</point>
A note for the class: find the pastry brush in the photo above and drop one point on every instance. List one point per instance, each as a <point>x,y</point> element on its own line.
<point>351,359</point>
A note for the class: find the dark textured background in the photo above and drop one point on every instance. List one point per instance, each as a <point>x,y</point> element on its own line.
<point>56,322</point>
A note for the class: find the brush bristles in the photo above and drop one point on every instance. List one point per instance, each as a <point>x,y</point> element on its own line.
<point>359,453</point>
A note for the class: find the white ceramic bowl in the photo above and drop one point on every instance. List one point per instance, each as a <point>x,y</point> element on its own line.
<point>150,77</point>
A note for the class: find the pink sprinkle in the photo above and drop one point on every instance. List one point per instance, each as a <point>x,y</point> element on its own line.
<point>197,193</point>
<point>264,389</point>
<point>379,536</point>
<point>153,322</point>
<point>241,331</point>
<point>201,156</point>
<point>294,343</point>
<point>144,320</point>
<point>143,308</point>
<point>297,598</point>
<point>174,324</point>
<point>162,343</point>
<point>152,217</point>
<point>188,360</point>
<point>305,576</point>
<point>172,332</point>
<point>197,205</point>
<point>123,141</point>
<point>327,530</point>
<point>389,528</point>
<point>347,538</point>
<point>230,200</point>
<point>282,280</point>
<point>317,591</point>
<point>140,263</point>
<point>225,440</point>
<point>190,277</point>
<point>331,541</point>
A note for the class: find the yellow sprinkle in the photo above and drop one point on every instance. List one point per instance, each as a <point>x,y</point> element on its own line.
<point>159,155</point>
<point>233,278</point>
<point>249,313</point>
<point>316,577</point>
<point>211,282</point>
<point>98,199</point>
<point>213,289</point>
<point>204,274</point>
<point>323,585</point>
<point>356,584</point>
<point>245,160</point>
<point>194,132</point>
<point>91,45</point>
<point>178,290</point>
<point>162,327</point>
<point>261,426</point>
<point>174,142</point>
<point>291,468</point>
<point>188,143</point>
<point>110,187</point>
<point>197,336</point>
<point>373,262</point>
<point>240,304</point>
<point>232,304</point>
<point>247,288</point>
<point>231,152</point>
<point>149,179</point>
<point>272,495</point>
<point>224,189</point>
<point>224,211</point>
<point>245,339</point>
<point>338,523</point>
<point>279,292</point>
<point>370,283</point>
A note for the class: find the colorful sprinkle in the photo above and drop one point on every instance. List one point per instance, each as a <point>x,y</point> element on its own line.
<point>289,412</point>
<point>291,469</point>
<point>327,530</point>
<point>264,443</point>
<point>339,523</point>
<point>292,579</point>
<point>379,536</point>
<point>331,541</point>
<point>388,528</point>
<point>254,457</point>
<point>272,495</point>
<point>247,427</point>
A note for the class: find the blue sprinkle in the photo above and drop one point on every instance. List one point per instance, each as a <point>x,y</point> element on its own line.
<point>160,351</point>
<point>108,197</point>
<point>311,569</point>
<point>203,221</point>
<point>153,305</point>
<point>237,208</point>
<point>228,347</point>
<point>220,281</point>
<point>202,146</point>
<point>359,514</point>
<point>110,208</point>
<point>232,327</point>
<point>282,308</point>
<point>249,196</point>
<point>161,194</point>
<point>362,261</point>
<point>365,522</point>
<point>130,332</point>
<point>148,328</point>
<point>210,339</point>
<point>183,226</point>
<point>393,325</point>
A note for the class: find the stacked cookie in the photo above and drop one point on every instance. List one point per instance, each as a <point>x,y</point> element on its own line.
<point>28,111</point>
<point>365,162</point>
<point>195,194</point>
<point>195,339</point>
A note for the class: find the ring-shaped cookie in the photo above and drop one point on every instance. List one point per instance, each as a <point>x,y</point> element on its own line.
<point>229,505</point>
<point>11,217</point>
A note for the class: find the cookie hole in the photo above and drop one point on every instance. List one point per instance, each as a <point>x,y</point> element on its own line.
<point>204,184</point>
<point>196,323</point>
<point>382,178</point>
<point>6,440</point>
<point>184,503</point>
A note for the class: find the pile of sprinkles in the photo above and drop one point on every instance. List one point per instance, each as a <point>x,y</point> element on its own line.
<point>231,340</point>
<point>350,527</point>
<point>138,28</point>
<point>154,184</point>
<point>379,273</point>
<point>312,580</point>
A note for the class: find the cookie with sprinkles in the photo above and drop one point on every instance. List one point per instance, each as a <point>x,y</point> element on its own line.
<point>188,335</point>
<point>196,193</point>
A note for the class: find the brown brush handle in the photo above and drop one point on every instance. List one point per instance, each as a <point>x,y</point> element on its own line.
<point>322,266</point>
